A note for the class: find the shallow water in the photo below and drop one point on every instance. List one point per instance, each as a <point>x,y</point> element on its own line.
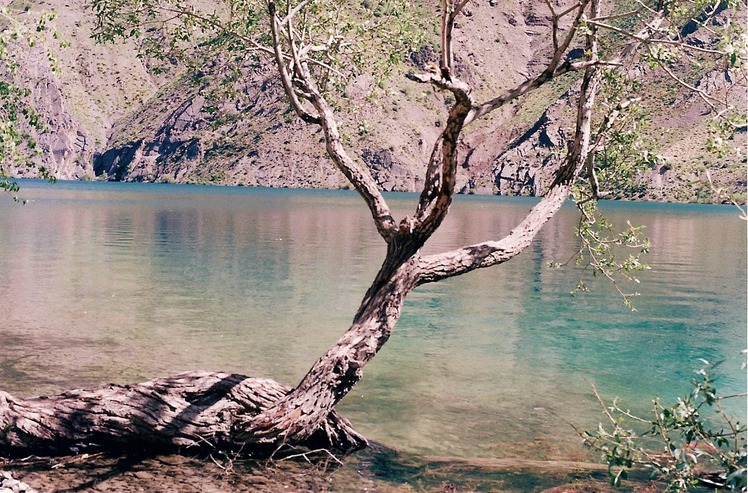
<point>103,282</point>
<point>375,469</point>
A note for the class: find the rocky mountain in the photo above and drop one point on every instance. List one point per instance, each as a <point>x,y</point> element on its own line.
<point>109,117</point>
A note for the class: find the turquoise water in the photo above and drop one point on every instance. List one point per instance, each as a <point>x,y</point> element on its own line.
<point>103,282</point>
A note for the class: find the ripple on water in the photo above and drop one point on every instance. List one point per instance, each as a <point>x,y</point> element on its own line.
<point>127,282</point>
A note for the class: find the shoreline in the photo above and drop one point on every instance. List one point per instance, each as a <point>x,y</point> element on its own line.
<point>376,468</point>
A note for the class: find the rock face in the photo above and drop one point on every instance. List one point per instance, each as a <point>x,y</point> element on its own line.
<point>522,169</point>
<point>67,143</point>
<point>110,118</point>
<point>65,146</point>
<point>252,140</point>
<point>387,171</point>
<point>148,158</point>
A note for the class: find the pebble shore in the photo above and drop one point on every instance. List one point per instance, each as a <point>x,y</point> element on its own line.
<point>10,485</point>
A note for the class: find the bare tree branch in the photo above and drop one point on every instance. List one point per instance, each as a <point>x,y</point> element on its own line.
<point>439,186</point>
<point>292,12</point>
<point>283,71</point>
<point>529,85</point>
<point>555,18</point>
<point>643,37</point>
<point>357,175</point>
<point>554,27</point>
<point>434,268</point>
<point>446,30</point>
<point>622,15</point>
<point>462,260</point>
<point>441,171</point>
<point>552,69</point>
<point>560,50</point>
<point>459,6</point>
<point>710,101</point>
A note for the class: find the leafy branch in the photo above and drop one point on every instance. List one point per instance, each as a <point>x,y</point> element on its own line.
<point>682,443</point>
<point>599,249</point>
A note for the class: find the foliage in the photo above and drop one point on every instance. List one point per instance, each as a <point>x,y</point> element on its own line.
<point>692,441</point>
<point>223,40</point>
<point>624,150</point>
<point>600,247</point>
<point>698,50</point>
<point>731,42</point>
<point>721,130</point>
<point>621,150</point>
<point>16,112</point>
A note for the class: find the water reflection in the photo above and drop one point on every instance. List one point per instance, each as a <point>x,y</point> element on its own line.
<point>123,282</point>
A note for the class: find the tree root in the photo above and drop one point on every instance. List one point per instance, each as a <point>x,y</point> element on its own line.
<point>195,410</point>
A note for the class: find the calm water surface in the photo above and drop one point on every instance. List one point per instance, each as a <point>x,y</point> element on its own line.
<point>104,282</point>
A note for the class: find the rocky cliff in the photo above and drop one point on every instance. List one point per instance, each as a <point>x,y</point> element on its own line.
<point>65,145</point>
<point>109,117</point>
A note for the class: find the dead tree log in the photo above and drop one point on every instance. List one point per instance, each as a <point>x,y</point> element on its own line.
<point>196,410</point>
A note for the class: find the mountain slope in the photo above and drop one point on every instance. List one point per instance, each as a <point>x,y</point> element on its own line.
<point>110,118</point>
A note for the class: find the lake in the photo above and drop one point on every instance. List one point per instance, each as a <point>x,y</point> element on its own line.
<point>120,282</point>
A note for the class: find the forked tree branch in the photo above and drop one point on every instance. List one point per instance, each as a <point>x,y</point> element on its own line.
<point>447,24</point>
<point>643,38</point>
<point>552,70</point>
<point>292,12</point>
<point>439,186</point>
<point>450,11</point>
<point>483,109</point>
<point>712,102</point>
<point>462,260</point>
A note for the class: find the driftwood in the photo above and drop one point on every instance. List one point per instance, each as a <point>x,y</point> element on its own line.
<point>198,410</point>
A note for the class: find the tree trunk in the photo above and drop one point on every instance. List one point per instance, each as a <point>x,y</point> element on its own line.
<point>299,414</point>
<point>219,410</point>
<point>191,410</point>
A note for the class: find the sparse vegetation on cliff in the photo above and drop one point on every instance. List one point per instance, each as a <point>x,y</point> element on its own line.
<point>112,115</point>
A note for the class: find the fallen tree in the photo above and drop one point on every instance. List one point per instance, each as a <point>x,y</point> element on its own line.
<point>188,410</point>
<point>215,410</point>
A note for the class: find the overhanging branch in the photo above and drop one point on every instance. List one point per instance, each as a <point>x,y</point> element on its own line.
<point>532,84</point>
<point>433,268</point>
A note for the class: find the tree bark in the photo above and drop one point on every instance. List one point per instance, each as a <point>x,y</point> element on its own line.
<point>297,416</point>
<point>196,410</point>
